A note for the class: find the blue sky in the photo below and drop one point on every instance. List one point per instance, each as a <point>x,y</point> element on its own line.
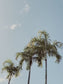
<point>20,20</point>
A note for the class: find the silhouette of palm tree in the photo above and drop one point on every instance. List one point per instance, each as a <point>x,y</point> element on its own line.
<point>12,70</point>
<point>43,47</point>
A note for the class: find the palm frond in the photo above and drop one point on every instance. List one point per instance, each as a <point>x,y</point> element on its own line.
<point>4,68</point>
<point>43,34</point>
<point>18,55</point>
<point>9,62</point>
<point>8,76</point>
<point>58,44</point>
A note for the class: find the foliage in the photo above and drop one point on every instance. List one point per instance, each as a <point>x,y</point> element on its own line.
<point>8,66</point>
<point>42,45</point>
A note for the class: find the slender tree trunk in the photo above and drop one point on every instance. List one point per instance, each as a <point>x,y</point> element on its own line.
<point>46,71</point>
<point>45,61</point>
<point>29,76</point>
<point>9,80</point>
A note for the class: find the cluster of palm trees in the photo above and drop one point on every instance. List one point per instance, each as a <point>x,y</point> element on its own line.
<point>37,50</point>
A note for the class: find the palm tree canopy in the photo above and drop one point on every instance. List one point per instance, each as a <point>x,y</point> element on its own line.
<point>38,48</point>
<point>8,66</point>
<point>28,55</point>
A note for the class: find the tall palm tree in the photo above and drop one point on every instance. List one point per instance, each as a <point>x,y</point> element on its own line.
<point>42,47</point>
<point>27,56</point>
<point>12,70</point>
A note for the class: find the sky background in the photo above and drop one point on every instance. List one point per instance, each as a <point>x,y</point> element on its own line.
<point>20,20</point>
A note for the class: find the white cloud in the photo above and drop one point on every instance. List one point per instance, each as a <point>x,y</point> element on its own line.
<point>2,79</point>
<point>12,27</point>
<point>25,9</point>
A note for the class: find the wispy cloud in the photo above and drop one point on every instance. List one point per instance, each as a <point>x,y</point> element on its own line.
<point>2,79</point>
<point>11,27</point>
<point>14,26</point>
<point>26,8</point>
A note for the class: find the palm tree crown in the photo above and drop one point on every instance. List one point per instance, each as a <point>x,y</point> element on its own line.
<point>11,69</point>
<point>43,46</point>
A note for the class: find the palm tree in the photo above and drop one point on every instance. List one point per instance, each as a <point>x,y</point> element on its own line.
<point>27,56</point>
<point>43,47</point>
<point>11,69</point>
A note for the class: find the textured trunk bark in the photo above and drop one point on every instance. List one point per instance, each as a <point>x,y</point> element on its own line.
<point>29,76</point>
<point>45,71</point>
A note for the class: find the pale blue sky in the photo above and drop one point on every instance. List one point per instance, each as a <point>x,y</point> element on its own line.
<point>20,20</point>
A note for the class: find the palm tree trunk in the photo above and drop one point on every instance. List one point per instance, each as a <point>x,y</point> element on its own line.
<point>29,76</point>
<point>9,80</point>
<point>46,71</point>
